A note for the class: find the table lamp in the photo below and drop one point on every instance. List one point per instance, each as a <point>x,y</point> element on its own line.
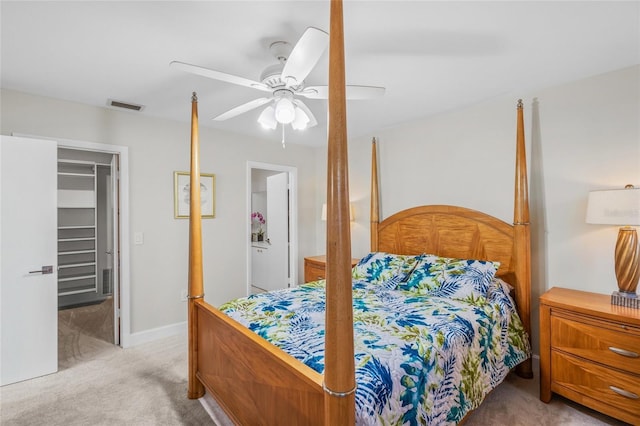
<point>620,207</point>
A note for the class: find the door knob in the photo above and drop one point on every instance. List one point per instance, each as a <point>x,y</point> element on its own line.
<point>44,270</point>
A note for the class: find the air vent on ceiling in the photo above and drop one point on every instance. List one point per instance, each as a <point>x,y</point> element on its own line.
<point>125,105</point>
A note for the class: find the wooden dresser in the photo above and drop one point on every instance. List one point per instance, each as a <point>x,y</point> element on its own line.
<point>590,352</point>
<point>315,267</point>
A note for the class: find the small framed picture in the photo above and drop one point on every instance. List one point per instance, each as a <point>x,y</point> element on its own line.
<point>181,195</point>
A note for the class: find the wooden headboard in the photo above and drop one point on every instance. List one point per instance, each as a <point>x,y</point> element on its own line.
<point>448,231</point>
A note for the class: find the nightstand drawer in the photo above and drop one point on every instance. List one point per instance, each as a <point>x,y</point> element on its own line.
<point>612,392</point>
<point>587,352</point>
<point>597,341</point>
<point>315,268</point>
<point>313,272</point>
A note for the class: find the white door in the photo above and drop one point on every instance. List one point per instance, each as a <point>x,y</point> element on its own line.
<point>28,259</point>
<point>278,230</point>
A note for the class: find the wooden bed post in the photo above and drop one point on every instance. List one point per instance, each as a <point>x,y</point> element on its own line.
<point>522,237</point>
<point>339,371</point>
<point>375,207</point>
<point>196,294</point>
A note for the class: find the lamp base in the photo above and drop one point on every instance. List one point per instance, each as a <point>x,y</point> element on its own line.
<point>621,298</point>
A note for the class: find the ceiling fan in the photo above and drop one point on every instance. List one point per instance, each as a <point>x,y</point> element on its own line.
<point>285,82</point>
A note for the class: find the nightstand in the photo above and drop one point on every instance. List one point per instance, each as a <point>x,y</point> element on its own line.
<point>315,267</point>
<point>590,352</point>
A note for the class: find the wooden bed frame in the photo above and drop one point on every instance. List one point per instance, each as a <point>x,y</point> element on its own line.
<point>254,381</point>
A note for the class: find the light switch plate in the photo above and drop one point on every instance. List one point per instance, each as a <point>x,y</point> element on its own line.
<point>138,238</point>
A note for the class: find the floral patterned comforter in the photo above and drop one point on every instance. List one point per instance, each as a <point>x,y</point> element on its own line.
<point>419,359</point>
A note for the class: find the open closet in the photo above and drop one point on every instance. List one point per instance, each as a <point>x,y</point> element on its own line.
<point>86,236</point>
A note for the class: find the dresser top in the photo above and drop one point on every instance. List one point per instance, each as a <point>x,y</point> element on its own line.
<point>590,303</point>
<point>323,259</point>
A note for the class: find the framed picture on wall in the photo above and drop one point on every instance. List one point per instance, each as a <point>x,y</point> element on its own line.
<point>181,186</point>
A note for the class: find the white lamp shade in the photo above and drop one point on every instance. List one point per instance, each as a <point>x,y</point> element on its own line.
<point>352,216</point>
<point>301,120</point>
<point>614,207</point>
<point>285,112</point>
<point>267,118</point>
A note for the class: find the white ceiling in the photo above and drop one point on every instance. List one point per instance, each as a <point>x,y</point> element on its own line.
<point>431,56</point>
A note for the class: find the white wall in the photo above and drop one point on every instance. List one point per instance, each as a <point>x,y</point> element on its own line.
<point>157,148</point>
<point>580,136</point>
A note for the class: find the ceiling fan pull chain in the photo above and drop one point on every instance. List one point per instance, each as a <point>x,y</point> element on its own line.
<point>283,146</point>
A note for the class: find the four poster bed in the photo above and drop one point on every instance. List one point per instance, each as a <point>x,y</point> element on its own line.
<point>431,292</point>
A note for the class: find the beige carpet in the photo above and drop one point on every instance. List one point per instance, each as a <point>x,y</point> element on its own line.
<point>83,331</point>
<point>94,320</point>
<point>101,384</point>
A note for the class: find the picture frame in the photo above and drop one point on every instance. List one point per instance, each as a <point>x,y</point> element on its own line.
<point>181,182</point>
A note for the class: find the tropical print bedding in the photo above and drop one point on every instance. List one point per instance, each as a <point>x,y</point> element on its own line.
<point>420,359</point>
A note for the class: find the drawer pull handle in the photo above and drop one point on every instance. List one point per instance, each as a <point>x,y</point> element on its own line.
<point>623,352</point>
<point>624,393</point>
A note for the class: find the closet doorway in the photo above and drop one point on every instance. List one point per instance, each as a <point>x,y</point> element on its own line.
<point>272,227</point>
<point>87,243</point>
<point>98,295</point>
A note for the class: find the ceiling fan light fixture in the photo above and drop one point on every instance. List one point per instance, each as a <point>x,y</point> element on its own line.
<point>301,120</point>
<point>285,112</point>
<point>267,118</point>
<point>284,82</point>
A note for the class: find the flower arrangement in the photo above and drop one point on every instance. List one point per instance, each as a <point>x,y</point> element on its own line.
<point>257,219</point>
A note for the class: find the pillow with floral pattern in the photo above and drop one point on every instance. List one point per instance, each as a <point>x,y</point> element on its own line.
<point>384,268</point>
<point>450,277</point>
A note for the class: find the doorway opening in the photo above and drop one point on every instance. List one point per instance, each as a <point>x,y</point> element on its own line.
<point>88,263</point>
<point>108,303</point>
<point>271,227</point>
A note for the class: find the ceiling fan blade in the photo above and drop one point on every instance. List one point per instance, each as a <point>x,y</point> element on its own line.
<point>304,56</point>
<point>217,75</point>
<point>353,92</point>
<point>242,108</point>
<point>312,120</point>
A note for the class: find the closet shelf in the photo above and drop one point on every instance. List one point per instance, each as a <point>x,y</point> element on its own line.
<point>75,174</point>
<point>77,227</point>
<point>82,290</point>
<point>76,277</point>
<point>75,265</point>
<point>60,240</point>
<point>64,253</point>
<point>71,161</point>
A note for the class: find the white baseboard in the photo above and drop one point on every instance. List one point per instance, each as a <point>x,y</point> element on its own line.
<point>145,336</point>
